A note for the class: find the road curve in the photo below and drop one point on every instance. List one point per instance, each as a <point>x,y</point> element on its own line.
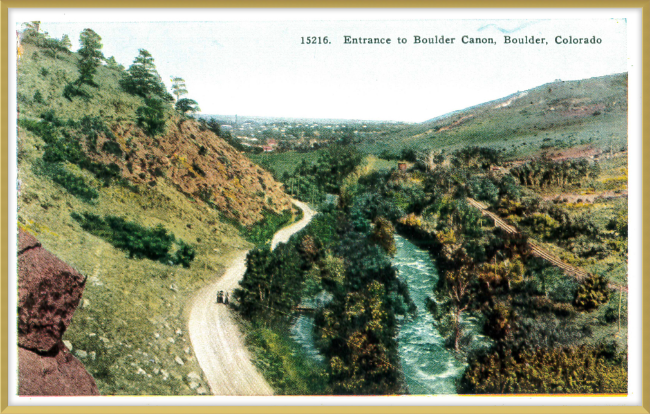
<point>217,341</point>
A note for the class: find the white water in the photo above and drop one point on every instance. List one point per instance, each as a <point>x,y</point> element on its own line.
<point>429,367</point>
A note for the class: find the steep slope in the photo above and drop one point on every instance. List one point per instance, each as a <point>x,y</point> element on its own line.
<point>589,112</point>
<point>196,161</point>
<point>87,157</point>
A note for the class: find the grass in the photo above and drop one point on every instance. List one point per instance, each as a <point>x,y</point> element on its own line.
<point>108,100</point>
<point>283,363</point>
<point>529,124</point>
<point>280,162</point>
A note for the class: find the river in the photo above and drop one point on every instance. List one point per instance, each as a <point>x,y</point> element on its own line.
<point>428,366</point>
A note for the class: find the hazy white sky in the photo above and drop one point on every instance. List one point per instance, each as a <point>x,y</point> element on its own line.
<point>252,63</point>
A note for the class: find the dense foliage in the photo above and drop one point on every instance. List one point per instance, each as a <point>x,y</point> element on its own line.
<point>91,56</point>
<point>521,303</point>
<point>140,242</point>
<point>142,79</point>
<point>311,181</point>
<point>544,172</point>
<point>356,328</point>
<point>572,370</point>
<point>63,142</point>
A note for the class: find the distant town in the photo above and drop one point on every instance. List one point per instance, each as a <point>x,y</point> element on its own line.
<point>258,134</point>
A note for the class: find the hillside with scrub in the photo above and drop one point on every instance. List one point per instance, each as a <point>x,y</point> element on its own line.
<point>118,180</point>
<point>589,115</point>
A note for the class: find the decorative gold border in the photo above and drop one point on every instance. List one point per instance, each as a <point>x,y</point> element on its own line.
<point>4,197</point>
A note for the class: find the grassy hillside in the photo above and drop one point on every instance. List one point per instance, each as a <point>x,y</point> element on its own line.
<point>86,156</point>
<point>588,113</point>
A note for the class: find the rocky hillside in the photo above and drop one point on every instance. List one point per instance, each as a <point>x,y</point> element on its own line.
<point>198,163</point>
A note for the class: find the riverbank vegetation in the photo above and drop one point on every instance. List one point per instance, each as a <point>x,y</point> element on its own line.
<point>340,256</point>
<point>540,321</point>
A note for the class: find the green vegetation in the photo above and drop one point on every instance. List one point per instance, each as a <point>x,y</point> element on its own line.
<point>311,181</point>
<point>588,114</point>
<point>545,172</point>
<point>139,241</point>
<point>186,105</point>
<point>521,303</point>
<point>91,56</point>
<point>262,232</point>
<point>152,117</point>
<point>338,254</point>
<point>178,87</point>
<point>74,184</point>
<point>284,364</point>
<point>573,370</point>
<point>78,146</point>
<point>142,79</point>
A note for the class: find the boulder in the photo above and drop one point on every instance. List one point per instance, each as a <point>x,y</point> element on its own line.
<point>57,372</point>
<point>49,291</point>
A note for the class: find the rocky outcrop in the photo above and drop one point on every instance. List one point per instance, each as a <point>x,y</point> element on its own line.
<point>49,291</point>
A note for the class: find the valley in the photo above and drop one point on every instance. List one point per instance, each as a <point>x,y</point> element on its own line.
<point>480,252</point>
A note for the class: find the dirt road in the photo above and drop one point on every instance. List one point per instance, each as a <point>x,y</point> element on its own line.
<point>216,338</point>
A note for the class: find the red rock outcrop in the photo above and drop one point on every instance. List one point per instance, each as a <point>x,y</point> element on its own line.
<point>49,291</point>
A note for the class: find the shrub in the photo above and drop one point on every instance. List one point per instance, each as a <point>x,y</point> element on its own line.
<point>112,147</point>
<point>262,232</point>
<point>71,90</point>
<point>38,98</point>
<point>140,242</point>
<point>185,254</point>
<point>74,184</point>
<point>592,293</point>
<point>570,370</point>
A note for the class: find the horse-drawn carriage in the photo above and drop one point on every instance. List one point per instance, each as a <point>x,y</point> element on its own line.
<point>222,297</point>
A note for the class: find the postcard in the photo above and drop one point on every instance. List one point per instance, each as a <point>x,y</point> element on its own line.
<point>276,206</point>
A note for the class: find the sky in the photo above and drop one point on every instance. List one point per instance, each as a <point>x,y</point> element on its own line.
<point>239,62</point>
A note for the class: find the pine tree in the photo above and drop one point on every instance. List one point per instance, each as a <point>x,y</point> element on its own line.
<point>178,87</point>
<point>91,56</point>
<point>142,78</point>
<point>65,41</point>
<point>187,105</point>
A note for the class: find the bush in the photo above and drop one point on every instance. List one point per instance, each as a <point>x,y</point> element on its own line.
<point>262,232</point>
<point>592,293</point>
<point>571,370</point>
<point>112,147</point>
<point>138,241</point>
<point>74,184</point>
<point>71,90</point>
<point>38,98</point>
<point>185,254</point>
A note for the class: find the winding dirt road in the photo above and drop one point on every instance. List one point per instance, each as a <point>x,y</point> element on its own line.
<point>218,343</point>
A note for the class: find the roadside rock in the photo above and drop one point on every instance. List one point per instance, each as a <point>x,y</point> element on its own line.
<point>48,293</point>
<point>54,373</point>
